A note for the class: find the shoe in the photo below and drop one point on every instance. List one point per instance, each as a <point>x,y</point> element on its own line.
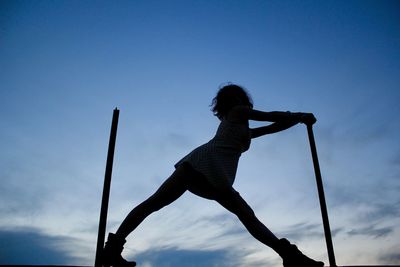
<point>112,253</point>
<point>292,256</point>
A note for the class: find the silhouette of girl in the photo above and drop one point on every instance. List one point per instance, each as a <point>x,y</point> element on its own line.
<point>209,172</point>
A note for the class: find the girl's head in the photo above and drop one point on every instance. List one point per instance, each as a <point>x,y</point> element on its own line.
<point>229,96</point>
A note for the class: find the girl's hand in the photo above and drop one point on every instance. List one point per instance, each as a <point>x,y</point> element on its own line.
<point>308,118</point>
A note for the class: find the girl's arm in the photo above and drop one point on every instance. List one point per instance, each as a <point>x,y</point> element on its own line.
<point>274,116</point>
<point>281,117</point>
<point>272,128</point>
<point>281,120</point>
<point>245,113</point>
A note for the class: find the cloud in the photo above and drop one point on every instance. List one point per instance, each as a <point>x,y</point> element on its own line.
<point>392,257</point>
<point>31,246</point>
<point>302,231</point>
<point>373,203</point>
<point>383,211</point>
<point>372,231</point>
<point>336,231</point>
<point>169,257</point>
<point>395,159</point>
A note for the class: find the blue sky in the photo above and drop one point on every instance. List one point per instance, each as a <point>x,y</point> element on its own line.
<point>65,65</point>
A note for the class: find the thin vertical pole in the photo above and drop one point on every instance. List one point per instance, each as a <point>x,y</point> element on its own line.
<point>106,189</point>
<point>321,194</point>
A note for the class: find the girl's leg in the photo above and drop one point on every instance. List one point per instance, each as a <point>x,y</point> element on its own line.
<point>232,201</point>
<point>290,254</point>
<point>169,191</point>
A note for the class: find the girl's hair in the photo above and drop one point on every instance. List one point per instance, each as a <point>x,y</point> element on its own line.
<point>229,96</point>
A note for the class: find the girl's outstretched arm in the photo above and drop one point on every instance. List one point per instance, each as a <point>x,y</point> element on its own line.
<point>274,116</point>
<point>272,128</point>
<point>281,120</point>
<point>281,117</point>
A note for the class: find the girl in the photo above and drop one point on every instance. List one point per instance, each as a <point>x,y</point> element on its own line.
<point>209,172</point>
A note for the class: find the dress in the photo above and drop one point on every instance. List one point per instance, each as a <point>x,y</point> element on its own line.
<point>218,159</point>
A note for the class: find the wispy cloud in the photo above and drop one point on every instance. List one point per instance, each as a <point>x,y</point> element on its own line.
<point>372,231</point>
<point>301,231</point>
<point>372,203</point>
<point>383,211</point>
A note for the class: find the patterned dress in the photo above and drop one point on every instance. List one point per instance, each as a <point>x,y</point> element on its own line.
<point>218,159</point>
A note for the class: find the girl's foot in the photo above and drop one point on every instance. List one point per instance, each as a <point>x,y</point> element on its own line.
<point>292,256</point>
<point>112,253</point>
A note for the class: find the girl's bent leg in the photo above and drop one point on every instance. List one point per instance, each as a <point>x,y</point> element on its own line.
<point>169,191</point>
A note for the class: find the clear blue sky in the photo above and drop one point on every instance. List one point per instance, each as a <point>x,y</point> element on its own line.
<point>65,65</point>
